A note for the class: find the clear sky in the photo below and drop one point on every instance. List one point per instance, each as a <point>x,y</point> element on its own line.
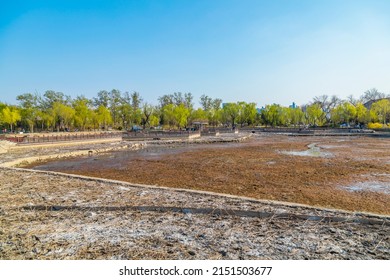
<point>256,51</point>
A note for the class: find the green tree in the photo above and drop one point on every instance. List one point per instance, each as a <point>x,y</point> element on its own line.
<point>94,119</point>
<point>231,112</point>
<point>136,116</point>
<point>293,116</point>
<point>129,109</point>
<point>362,114</point>
<point>2,106</point>
<point>181,114</point>
<point>29,109</point>
<point>272,115</point>
<point>83,113</point>
<point>241,113</point>
<point>103,117</point>
<point>381,109</point>
<point>114,103</point>
<point>64,115</point>
<point>215,112</point>
<point>29,116</point>
<point>50,97</point>
<point>125,111</point>
<point>46,119</point>
<point>198,115</point>
<point>154,120</point>
<point>344,113</point>
<point>28,100</point>
<point>169,115</point>
<point>315,115</point>
<point>249,113</point>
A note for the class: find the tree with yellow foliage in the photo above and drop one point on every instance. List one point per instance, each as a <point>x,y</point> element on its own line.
<point>10,115</point>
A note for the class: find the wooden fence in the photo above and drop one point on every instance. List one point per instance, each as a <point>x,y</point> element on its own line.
<point>52,138</point>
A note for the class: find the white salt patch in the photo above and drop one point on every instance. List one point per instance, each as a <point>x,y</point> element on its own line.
<point>313,151</point>
<point>370,186</point>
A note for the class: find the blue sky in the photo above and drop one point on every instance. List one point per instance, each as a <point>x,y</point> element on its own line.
<point>256,51</point>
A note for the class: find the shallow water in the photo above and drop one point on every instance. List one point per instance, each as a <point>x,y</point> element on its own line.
<point>313,151</point>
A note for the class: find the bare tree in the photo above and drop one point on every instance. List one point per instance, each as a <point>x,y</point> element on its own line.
<point>351,99</point>
<point>327,103</point>
<point>188,100</point>
<point>206,102</point>
<point>165,100</point>
<point>147,110</point>
<point>372,95</point>
<point>135,100</point>
<point>178,98</point>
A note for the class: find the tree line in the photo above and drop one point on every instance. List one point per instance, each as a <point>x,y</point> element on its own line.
<point>55,111</point>
<point>371,109</point>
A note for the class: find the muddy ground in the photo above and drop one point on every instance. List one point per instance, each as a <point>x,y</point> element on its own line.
<point>45,215</point>
<point>351,173</point>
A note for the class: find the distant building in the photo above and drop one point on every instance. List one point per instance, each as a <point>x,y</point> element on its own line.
<point>259,110</point>
<point>293,106</point>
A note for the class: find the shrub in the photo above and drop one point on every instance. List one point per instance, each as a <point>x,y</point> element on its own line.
<point>375,125</point>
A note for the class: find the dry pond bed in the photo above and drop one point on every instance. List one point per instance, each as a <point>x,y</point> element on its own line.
<point>44,215</point>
